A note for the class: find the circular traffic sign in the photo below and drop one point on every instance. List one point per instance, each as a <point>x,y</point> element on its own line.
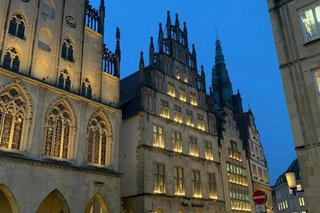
<point>259,197</point>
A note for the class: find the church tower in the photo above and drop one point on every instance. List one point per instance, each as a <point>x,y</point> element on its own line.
<point>221,88</point>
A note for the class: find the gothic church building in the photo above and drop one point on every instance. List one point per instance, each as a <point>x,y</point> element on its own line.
<point>59,115</point>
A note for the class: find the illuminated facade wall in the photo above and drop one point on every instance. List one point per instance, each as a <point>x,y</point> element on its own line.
<point>169,137</point>
<point>59,129</point>
<point>296,30</point>
<point>236,168</point>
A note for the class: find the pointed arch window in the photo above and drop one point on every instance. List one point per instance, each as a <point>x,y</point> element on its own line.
<point>12,118</point>
<point>58,131</point>
<point>86,89</point>
<point>64,81</point>
<point>99,144</point>
<point>67,50</point>
<point>17,26</point>
<point>11,60</point>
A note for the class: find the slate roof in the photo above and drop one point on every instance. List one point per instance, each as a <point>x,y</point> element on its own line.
<point>294,167</point>
<point>130,95</point>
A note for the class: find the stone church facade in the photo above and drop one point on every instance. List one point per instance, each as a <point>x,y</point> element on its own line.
<point>59,114</point>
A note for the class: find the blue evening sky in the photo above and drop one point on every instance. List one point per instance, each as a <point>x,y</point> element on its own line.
<point>245,32</point>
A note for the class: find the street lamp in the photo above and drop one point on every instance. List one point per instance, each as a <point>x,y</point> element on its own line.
<point>291,180</point>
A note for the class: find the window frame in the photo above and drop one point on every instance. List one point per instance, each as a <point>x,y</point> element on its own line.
<point>317,23</point>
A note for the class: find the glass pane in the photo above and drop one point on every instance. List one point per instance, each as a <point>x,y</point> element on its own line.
<point>309,25</point>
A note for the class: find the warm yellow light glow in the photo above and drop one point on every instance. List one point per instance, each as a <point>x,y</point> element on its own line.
<point>189,121</point>
<point>291,179</point>
<point>182,96</point>
<point>164,112</point>
<point>185,78</point>
<point>177,117</point>
<point>201,125</point>
<point>208,154</point>
<point>177,74</point>
<point>171,90</point>
<point>193,101</point>
<point>177,146</point>
<point>197,195</point>
<point>213,196</point>
<point>158,140</point>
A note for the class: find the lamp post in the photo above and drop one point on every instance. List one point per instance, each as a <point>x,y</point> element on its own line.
<point>291,180</point>
<point>292,183</point>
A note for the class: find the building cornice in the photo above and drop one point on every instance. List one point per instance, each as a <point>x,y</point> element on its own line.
<point>172,153</point>
<point>47,162</point>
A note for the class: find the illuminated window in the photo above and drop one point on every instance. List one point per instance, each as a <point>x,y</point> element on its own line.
<point>58,128</point>
<point>189,118</point>
<point>317,80</point>
<point>178,181</point>
<point>177,74</point>
<point>158,178</point>
<point>193,147</point>
<point>200,122</point>
<point>67,50</point>
<point>158,137</point>
<point>208,151</point>
<point>17,26</point>
<point>196,184</point>
<point>64,81</point>
<point>164,109</point>
<point>176,142</point>
<point>299,187</point>
<point>310,21</point>
<point>212,186</point>
<point>171,91</point>
<point>12,118</point>
<point>99,144</point>
<point>185,78</point>
<point>301,201</point>
<point>11,60</point>
<point>193,99</point>
<point>86,89</point>
<point>177,114</point>
<point>182,95</point>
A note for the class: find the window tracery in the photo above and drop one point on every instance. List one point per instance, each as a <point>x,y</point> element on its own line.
<point>58,131</point>
<point>11,60</point>
<point>99,144</point>
<point>67,50</point>
<point>64,80</point>
<point>12,118</point>
<point>17,26</point>
<point>86,89</point>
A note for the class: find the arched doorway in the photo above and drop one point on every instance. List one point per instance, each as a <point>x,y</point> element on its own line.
<point>8,203</point>
<point>54,203</point>
<point>97,204</point>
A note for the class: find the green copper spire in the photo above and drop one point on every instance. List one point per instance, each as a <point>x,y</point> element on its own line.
<point>219,59</point>
<point>221,88</point>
